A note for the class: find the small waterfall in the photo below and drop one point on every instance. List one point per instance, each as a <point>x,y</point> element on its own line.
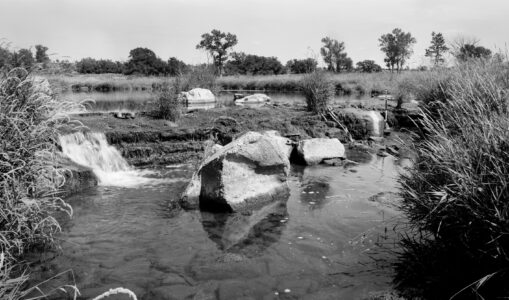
<point>93,151</point>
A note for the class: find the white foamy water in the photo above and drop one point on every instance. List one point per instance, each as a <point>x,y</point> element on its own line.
<point>93,151</point>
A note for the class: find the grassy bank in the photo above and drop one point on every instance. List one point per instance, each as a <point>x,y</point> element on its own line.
<point>457,196</point>
<point>344,83</point>
<point>30,179</point>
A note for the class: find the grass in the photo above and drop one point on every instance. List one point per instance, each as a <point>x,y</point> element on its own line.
<point>457,195</point>
<point>318,90</point>
<point>344,83</point>
<point>30,181</point>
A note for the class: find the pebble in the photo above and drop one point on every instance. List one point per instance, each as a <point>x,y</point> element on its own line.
<point>282,221</point>
<point>276,293</point>
<point>312,202</point>
<point>324,257</point>
<point>311,192</point>
<point>287,290</point>
<point>300,238</point>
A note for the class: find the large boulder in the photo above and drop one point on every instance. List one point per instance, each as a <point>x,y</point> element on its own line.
<point>253,99</point>
<point>198,95</point>
<point>362,123</point>
<point>245,174</point>
<point>314,151</point>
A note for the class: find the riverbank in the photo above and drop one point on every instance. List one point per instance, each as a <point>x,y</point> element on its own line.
<point>148,141</point>
<point>356,84</point>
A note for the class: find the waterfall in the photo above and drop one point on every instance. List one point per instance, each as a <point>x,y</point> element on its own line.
<point>92,150</point>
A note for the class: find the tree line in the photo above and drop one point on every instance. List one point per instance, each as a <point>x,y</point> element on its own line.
<point>396,45</point>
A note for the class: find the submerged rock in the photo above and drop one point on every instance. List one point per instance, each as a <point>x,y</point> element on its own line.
<point>314,151</point>
<point>78,177</point>
<point>245,174</point>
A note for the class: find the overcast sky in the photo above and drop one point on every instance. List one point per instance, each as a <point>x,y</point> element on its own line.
<point>286,29</point>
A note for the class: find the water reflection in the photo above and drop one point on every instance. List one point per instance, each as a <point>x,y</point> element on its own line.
<point>248,234</point>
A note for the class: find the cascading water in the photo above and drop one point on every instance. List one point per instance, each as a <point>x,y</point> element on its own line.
<point>93,151</point>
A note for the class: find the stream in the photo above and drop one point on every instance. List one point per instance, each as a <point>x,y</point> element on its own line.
<point>330,240</point>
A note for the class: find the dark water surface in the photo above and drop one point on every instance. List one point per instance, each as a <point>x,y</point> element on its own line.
<point>321,245</point>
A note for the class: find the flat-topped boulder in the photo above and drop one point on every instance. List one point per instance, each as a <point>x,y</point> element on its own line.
<point>245,174</point>
<point>314,151</point>
<point>198,95</point>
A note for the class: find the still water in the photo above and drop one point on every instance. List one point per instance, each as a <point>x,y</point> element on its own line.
<point>328,242</point>
<point>145,101</point>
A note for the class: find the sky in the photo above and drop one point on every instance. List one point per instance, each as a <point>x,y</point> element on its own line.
<point>287,29</point>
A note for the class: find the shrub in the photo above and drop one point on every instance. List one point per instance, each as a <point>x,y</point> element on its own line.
<point>457,194</point>
<point>170,102</point>
<point>318,90</point>
<point>30,180</point>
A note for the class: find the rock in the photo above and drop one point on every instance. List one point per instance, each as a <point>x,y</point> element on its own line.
<point>198,95</point>
<point>362,123</point>
<point>253,99</point>
<point>245,174</point>
<point>124,115</point>
<point>314,151</point>
<point>78,178</point>
<point>388,199</point>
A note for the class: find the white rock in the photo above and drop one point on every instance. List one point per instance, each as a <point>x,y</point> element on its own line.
<point>314,151</point>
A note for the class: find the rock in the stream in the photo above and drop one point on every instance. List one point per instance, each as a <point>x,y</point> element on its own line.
<point>362,123</point>
<point>198,95</point>
<point>78,178</point>
<point>314,151</point>
<point>253,99</point>
<point>245,174</point>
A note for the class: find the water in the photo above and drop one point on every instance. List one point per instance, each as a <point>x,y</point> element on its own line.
<point>143,101</point>
<point>92,150</point>
<point>321,245</point>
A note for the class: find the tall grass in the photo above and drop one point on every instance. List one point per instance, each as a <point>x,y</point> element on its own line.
<point>457,195</point>
<point>30,118</point>
<point>318,91</point>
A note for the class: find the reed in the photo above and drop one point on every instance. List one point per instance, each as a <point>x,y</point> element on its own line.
<point>30,179</point>
<point>457,195</point>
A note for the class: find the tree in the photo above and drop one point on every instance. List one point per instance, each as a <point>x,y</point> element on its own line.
<point>301,66</point>
<point>217,44</point>
<point>397,46</point>
<point>437,49</point>
<point>251,64</point>
<point>333,55</point>
<point>144,61</point>
<point>368,66</point>
<point>470,51</point>
<point>23,58</point>
<point>176,67</point>
<point>40,54</point>
<point>5,57</point>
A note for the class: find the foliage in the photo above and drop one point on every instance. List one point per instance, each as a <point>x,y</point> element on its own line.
<point>176,67</point>
<point>397,47</point>
<point>334,55</point>
<point>41,55</point>
<point>437,49</point>
<point>250,64</point>
<point>23,58</point>
<point>368,66</point>
<point>30,180</point>
<point>471,51</point>
<point>144,61</point>
<point>301,66</point>
<point>318,90</point>
<point>93,66</point>
<point>457,196</point>
<point>218,43</point>
<point>170,102</point>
